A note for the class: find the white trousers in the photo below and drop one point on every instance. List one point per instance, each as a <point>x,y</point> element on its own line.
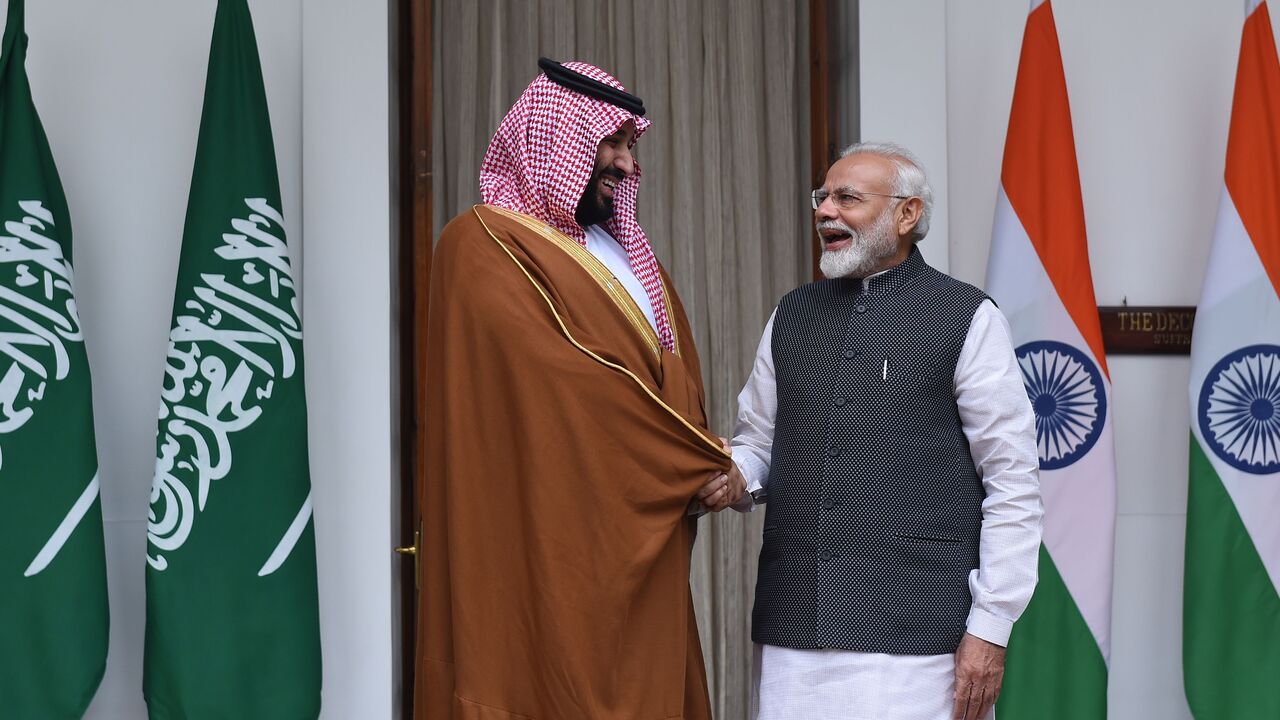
<point>845,685</point>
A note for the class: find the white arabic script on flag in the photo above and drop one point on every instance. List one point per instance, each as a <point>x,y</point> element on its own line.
<point>229,345</point>
<point>36,300</point>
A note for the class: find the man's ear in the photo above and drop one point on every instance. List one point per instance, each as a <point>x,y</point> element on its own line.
<point>909,215</point>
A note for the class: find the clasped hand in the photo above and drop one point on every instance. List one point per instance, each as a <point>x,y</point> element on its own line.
<point>723,490</point>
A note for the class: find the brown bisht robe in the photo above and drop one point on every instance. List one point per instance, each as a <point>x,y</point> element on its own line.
<point>563,447</point>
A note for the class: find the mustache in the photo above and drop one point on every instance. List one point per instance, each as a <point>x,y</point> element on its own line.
<point>837,226</point>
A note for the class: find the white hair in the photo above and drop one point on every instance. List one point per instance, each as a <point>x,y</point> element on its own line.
<point>910,180</point>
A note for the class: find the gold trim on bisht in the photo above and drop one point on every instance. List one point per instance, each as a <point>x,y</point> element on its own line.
<point>715,446</point>
<point>600,273</point>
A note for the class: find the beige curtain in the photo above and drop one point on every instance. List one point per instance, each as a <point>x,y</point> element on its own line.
<point>723,200</point>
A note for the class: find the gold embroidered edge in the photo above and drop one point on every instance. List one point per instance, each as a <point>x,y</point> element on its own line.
<point>598,272</point>
<point>565,329</point>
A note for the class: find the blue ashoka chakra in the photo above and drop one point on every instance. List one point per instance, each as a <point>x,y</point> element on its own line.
<point>1068,397</point>
<point>1239,409</point>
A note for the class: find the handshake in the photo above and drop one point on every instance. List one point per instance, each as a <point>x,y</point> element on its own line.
<point>721,491</point>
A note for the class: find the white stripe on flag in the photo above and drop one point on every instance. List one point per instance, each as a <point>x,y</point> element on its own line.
<point>1238,307</point>
<point>65,528</point>
<point>282,551</point>
<point>1083,495</point>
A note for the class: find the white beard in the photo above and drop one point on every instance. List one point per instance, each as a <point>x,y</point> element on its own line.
<point>865,250</point>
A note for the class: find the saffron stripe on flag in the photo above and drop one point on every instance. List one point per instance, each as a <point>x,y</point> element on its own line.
<point>1040,176</point>
<point>1253,145</point>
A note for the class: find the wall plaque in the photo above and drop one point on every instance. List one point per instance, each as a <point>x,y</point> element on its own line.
<point>1146,330</point>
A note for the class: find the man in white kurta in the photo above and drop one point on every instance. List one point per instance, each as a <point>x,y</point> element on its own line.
<point>872,209</point>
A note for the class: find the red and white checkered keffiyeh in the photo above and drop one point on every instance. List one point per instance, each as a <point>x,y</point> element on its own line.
<point>541,159</point>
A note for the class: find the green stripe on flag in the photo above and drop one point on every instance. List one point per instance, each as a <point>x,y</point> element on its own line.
<point>1054,669</point>
<point>1231,611</point>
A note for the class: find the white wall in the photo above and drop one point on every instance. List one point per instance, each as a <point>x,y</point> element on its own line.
<point>904,96</point>
<point>347,214</point>
<point>1150,86</point>
<point>119,87</point>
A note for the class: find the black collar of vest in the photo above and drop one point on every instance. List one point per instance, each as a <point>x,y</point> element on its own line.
<point>898,276</point>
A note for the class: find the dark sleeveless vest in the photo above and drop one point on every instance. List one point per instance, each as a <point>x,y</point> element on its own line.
<point>874,503</point>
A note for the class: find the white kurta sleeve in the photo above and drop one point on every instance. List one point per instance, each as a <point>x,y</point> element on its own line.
<point>752,444</point>
<point>998,421</point>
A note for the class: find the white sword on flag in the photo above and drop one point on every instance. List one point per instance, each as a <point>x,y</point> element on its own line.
<point>285,546</point>
<point>65,528</point>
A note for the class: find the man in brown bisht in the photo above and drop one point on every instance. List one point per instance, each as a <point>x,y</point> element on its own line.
<point>566,435</point>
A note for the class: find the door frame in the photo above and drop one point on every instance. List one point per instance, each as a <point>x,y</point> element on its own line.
<point>824,43</point>
<point>412,39</point>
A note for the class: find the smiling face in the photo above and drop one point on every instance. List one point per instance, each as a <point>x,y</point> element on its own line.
<point>864,229</point>
<point>613,163</point>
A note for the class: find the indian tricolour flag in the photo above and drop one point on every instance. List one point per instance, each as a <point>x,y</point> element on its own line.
<point>1039,275</point>
<point>1231,616</point>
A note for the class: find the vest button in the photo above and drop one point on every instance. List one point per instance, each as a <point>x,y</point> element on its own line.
<point>828,503</point>
<point>825,556</point>
<point>839,401</point>
<point>850,354</point>
<point>860,309</point>
<point>833,452</point>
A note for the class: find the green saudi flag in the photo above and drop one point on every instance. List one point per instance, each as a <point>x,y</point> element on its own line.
<point>1231,599</point>
<point>232,619</point>
<point>53,581</point>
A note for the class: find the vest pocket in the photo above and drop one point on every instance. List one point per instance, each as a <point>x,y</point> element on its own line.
<point>926,538</point>
<point>912,388</point>
<point>928,554</point>
<point>898,370</point>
